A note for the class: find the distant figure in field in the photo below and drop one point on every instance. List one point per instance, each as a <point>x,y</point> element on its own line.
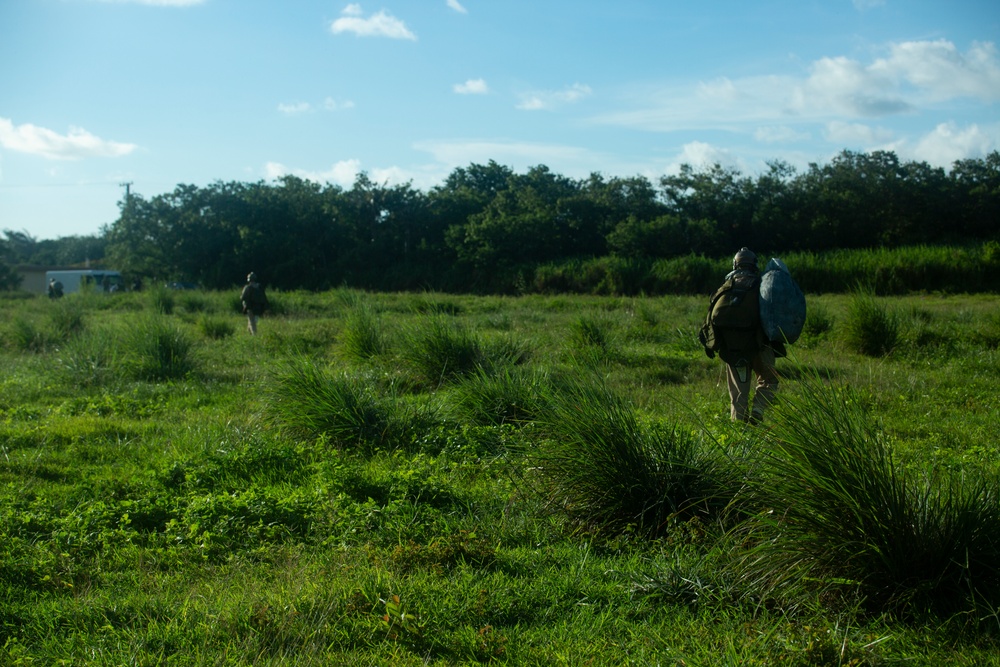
<point>55,289</point>
<point>254,302</point>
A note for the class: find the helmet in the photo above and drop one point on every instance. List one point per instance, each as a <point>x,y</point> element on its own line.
<point>745,258</point>
<point>251,277</point>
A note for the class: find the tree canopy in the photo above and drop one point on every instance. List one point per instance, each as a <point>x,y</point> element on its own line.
<point>486,219</point>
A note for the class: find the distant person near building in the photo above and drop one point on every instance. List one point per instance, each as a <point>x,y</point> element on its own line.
<point>55,289</point>
<point>254,302</point>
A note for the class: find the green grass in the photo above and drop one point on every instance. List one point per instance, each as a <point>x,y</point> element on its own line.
<point>442,479</point>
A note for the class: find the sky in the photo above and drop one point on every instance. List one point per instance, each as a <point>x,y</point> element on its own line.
<point>103,97</point>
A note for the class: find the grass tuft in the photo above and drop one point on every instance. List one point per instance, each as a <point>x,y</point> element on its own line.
<point>847,516</point>
<point>154,348</point>
<point>871,328</point>
<point>350,411</point>
<point>606,469</point>
<point>363,337</point>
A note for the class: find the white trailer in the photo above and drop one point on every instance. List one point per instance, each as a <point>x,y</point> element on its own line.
<point>75,280</point>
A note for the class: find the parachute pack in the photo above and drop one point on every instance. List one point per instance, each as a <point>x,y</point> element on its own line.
<point>733,316</point>
<point>782,303</point>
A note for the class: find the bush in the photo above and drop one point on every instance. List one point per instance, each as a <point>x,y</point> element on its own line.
<point>870,328</point>
<point>441,351</point>
<point>89,359</point>
<point>509,396</point>
<point>155,349</point>
<point>842,514</point>
<point>362,337</point>
<point>215,328</point>
<point>350,411</point>
<point>606,470</point>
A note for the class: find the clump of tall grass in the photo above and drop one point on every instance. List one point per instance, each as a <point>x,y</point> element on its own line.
<point>90,359</point>
<point>215,328</point>
<point>363,337</point>
<point>441,351</point>
<point>844,514</point>
<point>162,300</point>
<point>870,328</point>
<point>818,320</point>
<point>66,318</point>
<point>605,468</point>
<point>513,395</point>
<point>24,335</point>
<point>153,348</point>
<point>588,332</point>
<point>350,411</point>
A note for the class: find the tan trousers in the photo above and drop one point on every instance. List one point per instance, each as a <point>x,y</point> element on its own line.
<point>252,323</point>
<point>738,378</point>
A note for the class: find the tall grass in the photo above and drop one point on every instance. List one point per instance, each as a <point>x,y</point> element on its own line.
<point>509,396</point>
<point>90,359</point>
<point>606,469</point>
<point>438,351</point>
<point>155,348</point>
<point>842,513</point>
<point>363,337</point>
<point>348,410</point>
<point>871,327</point>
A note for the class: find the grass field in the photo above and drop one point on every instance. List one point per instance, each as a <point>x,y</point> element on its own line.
<point>407,479</point>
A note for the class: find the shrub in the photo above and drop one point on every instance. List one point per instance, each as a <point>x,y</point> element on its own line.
<point>606,470</point>
<point>870,328</point>
<point>89,359</point>
<point>162,300</point>
<point>153,348</point>
<point>441,351</point>
<point>215,328</point>
<point>844,514</point>
<point>66,317</point>
<point>511,395</point>
<point>349,410</point>
<point>25,336</point>
<point>589,332</point>
<point>818,320</point>
<point>362,337</point>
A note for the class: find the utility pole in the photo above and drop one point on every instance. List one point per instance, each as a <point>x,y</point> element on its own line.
<point>128,190</point>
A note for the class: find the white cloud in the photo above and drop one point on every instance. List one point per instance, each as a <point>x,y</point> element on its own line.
<point>471,87</point>
<point>295,108</point>
<point>849,88</point>
<point>381,24</point>
<point>75,145</point>
<point>912,77</point>
<point>460,153</point>
<point>778,134</point>
<point>856,134</point>
<point>331,104</point>
<point>551,99</point>
<point>948,143</point>
<point>456,5</point>
<point>701,154</point>
<point>341,173</point>
<point>941,72</point>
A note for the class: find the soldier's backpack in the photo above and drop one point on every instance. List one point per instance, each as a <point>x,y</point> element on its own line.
<point>782,303</point>
<point>733,316</point>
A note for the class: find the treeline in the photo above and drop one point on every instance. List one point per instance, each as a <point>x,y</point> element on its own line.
<point>489,229</point>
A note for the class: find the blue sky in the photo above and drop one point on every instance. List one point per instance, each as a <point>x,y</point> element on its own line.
<point>95,94</point>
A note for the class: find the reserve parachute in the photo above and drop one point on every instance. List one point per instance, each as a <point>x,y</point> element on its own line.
<point>782,303</point>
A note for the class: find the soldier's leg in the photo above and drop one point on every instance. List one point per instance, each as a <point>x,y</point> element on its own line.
<point>738,380</point>
<point>767,382</point>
